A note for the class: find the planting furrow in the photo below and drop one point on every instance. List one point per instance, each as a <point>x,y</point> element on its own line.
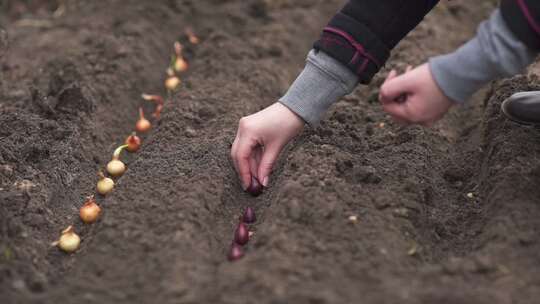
<point>181,191</point>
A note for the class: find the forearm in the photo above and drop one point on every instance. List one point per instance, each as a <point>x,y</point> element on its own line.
<point>495,52</point>
<point>351,50</point>
<point>363,33</point>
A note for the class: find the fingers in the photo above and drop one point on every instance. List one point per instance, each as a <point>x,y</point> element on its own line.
<point>398,111</point>
<point>396,86</point>
<point>242,154</point>
<point>390,76</point>
<point>392,89</point>
<point>254,161</point>
<point>267,162</point>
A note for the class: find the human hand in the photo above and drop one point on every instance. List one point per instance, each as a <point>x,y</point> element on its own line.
<point>414,97</point>
<point>260,139</point>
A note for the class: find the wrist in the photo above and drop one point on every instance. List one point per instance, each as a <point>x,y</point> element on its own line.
<point>292,120</point>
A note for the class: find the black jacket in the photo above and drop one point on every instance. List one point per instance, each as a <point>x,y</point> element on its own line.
<point>364,32</point>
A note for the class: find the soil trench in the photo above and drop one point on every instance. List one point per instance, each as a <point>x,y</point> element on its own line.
<point>447,215</point>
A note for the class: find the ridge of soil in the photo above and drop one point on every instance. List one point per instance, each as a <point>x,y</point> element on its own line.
<point>165,230</point>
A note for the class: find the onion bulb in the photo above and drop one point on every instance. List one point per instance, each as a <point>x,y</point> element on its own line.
<point>105,184</point>
<point>116,167</point>
<point>133,142</point>
<point>180,65</point>
<point>241,235</point>
<point>255,188</point>
<point>69,241</point>
<point>249,216</point>
<point>193,39</point>
<point>235,252</point>
<point>143,124</point>
<point>90,211</point>
<point>172,82</point>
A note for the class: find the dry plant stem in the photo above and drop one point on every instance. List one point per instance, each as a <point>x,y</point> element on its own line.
<point>157,112</point>
<point>159,103</point>
<point>178,48</point>
<point>155,98</point>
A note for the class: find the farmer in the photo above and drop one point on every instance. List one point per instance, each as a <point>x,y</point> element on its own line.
<point>355,45</point>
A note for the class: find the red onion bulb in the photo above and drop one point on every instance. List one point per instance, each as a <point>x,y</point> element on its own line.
<point>255,188</point>
<point>241,235</point>
<point>235,252</point>
<point>249,216</point>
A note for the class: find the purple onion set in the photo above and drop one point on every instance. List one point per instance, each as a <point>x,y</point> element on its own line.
<point>255,188</point>
<point>249,216</point>
<point>241,234</point>
<point>236,252</point>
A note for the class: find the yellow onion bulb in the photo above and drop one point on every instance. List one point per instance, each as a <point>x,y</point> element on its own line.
<point>69,241</point>
<point>193,39</point>
<point>143,124</point>
<point>90,211</point>
<point>172,82</point>
<point>180,65</point>
<point>104,185</point>
<point>116,168</point>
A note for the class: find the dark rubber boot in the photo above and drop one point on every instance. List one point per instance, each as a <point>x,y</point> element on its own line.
<point>523,107</point>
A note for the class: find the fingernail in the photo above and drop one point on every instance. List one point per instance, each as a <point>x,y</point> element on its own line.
<point>244,187</point>
<point>265,181</point>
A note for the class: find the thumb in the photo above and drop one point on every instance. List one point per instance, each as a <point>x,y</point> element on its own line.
<point>243,160</point>
<point>395,87</point>
<point>266,165</point>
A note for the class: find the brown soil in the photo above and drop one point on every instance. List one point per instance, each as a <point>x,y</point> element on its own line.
<point>70,83</point>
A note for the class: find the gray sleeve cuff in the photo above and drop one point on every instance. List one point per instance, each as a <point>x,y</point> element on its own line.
<point>494,53</point>
<point>323,81</point>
